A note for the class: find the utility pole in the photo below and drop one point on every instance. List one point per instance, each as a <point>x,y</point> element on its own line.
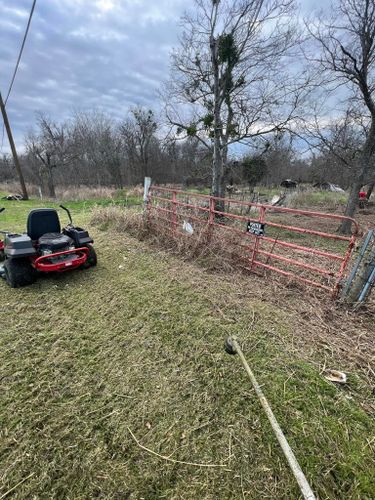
<point>13,148</point>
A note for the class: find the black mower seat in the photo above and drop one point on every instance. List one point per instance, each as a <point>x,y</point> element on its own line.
<point>42,221</point>
<point>56,242</point>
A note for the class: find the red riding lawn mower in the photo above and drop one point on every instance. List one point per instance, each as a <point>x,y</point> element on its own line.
<point>44,248</point>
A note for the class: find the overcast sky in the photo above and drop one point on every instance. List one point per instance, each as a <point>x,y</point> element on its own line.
<point>109,54</point>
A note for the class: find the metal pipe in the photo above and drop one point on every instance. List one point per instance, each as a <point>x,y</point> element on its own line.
<point>289,455</point>
<point>357,262</point>
<point>366,288</point>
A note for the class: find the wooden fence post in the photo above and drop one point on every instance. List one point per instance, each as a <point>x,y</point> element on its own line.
<point>262,215</point>
<point>146,189</point>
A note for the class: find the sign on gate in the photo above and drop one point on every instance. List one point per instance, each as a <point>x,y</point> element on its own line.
<point>256,228</point>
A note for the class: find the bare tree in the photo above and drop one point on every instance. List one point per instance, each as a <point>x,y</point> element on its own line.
<point>6,168</point>
<point>49,146</point>
<point>230,79</point>
<point>138,133</point>
<point>339,142</point>
<point>91,148</point>
<point>281,161</point>
<point>97,141</point>
<point>347,57</point>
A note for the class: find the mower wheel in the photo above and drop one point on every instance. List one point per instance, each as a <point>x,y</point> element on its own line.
<point>91,260</point>
<point>19,272</point>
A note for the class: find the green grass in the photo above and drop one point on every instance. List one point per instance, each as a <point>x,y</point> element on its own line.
<point>137,343</point>
<point>15,215</point>
<point>324,201</point>
<point>309,240</point>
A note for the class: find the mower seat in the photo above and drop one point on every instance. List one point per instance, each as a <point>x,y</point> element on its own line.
<point>41,221</point>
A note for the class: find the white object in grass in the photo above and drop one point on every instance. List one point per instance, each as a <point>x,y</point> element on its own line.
<point>335,376</point>
<point>186,226</point>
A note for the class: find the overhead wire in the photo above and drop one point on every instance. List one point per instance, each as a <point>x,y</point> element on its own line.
<point>20,52</point>
<point>17,64</point>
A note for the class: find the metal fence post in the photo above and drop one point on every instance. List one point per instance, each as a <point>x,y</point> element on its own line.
<point>364,274</point>
<point>357,263</point>
<point>262,215</point>
<point>146,189</point>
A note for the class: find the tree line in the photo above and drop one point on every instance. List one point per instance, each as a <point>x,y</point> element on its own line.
<point>91,149</point>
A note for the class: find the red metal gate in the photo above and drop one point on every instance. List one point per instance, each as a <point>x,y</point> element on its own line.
<point>298,244</point>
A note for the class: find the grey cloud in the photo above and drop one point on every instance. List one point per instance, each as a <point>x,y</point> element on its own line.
<point>79,55</point>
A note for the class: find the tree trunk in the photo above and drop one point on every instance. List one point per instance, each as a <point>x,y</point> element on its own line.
<point>225,170</point>
<point>46,182</point>
<point>43,180</point>
<point>370,190</point>
<point>51,186</point>
<point>46,177</point>
<point>351,207</point>
<point>360,179</point>
<point>145,169</point>
<point>217,159</point>
<point>217,170</point>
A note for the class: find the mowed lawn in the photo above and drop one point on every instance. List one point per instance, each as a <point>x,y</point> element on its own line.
<point>97,365</point>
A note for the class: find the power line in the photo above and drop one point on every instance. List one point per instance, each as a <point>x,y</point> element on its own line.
<point>4,113</point>
<point>16,67</point>
<point>20,53</point>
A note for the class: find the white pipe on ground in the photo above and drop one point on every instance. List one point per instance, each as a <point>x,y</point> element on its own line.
<point>291,458</point>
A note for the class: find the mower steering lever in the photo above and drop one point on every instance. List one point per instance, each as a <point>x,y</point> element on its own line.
<point>68,212</point>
